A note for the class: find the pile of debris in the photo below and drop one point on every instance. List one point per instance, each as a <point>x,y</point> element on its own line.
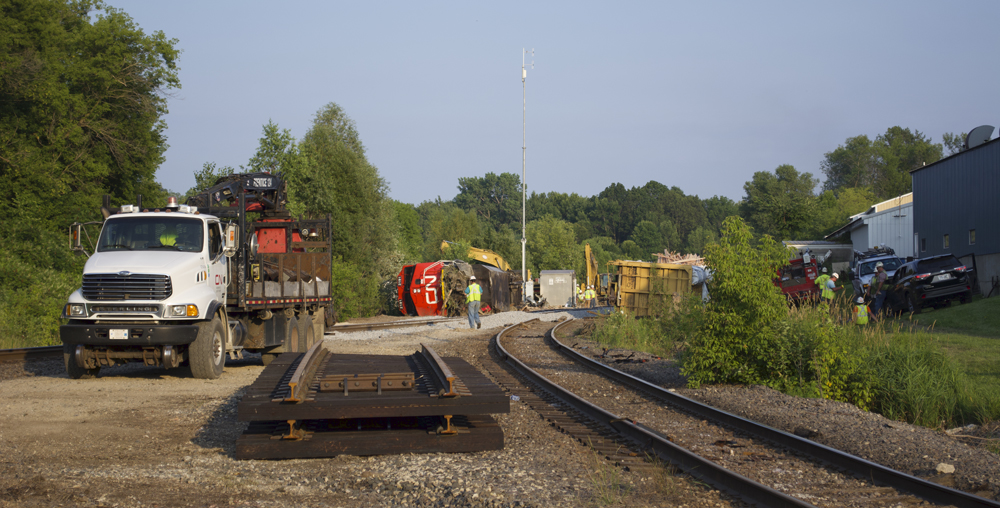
<point>679,259</point>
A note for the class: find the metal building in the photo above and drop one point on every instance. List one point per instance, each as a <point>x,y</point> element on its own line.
<point>957,208</point>
<point>889,223</point>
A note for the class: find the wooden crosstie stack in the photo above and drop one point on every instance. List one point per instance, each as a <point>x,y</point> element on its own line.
<point>320,404</point>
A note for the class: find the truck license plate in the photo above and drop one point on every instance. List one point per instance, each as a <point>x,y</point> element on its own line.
<point>118,334</point>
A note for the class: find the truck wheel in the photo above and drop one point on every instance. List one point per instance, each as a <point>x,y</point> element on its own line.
<point>912,304</point>
<point>73,370</point>
<point>306,334</point>
<point>207,353</point>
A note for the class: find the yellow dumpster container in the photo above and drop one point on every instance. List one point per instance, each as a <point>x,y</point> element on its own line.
<point>637,283</point>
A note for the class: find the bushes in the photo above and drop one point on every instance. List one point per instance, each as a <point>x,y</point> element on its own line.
<point>623,330</point>
<point>353,294</point>
<point>36,277</point>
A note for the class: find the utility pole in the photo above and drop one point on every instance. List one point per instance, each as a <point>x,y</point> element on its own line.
<point>524,149</point>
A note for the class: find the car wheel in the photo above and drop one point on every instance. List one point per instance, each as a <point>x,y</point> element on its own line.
<point>207,353</point>
<point>912,305</point>
<point>73,370</point>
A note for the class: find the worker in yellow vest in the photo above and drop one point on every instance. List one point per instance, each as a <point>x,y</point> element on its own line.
<point>591,296</point>
<point>821,280</point>
<point>579,295</point>
<point>861,312</point>
<point>473,295</point>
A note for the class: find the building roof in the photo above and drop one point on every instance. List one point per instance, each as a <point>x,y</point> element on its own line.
<point>876,209</point>
<point>935,163</point>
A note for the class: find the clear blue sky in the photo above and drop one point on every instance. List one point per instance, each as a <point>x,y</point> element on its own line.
<point>698,95</point>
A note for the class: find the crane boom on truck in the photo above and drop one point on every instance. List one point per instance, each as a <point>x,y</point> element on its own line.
<point>229,271</point>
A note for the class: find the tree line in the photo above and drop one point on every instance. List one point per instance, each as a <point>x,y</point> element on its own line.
<point>83,95</point>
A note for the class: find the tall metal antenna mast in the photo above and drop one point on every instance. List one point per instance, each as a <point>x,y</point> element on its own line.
<point>524,149</point>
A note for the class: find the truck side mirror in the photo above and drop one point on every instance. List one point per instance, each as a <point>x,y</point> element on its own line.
<point>75,230</point>
<point>232,232</point>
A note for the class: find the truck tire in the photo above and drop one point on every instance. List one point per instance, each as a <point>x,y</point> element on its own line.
<point>307,337</point>
<point>73,370</point>
<point>207,353</point>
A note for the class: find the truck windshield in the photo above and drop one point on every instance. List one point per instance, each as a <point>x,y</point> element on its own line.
<point>889,265</point>
<point>151,233</point>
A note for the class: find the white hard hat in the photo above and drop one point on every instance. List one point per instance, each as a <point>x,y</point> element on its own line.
<point>835,276</point>
<point>878,265</point>
<point>824,269</point>
<point>472,277</point>
<point>860,299</point>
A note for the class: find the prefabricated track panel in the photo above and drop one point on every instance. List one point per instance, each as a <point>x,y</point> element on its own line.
<point>330,438</point>
<point>263,399</point>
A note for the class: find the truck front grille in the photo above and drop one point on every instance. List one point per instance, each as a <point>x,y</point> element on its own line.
<point>137,286</point>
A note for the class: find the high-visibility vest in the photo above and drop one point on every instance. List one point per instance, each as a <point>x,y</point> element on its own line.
<point>827,292</point>
<point>473,293</point>
<point>168,239</point>
<point>861,314</point>
<point>821,280</point>
<point>590,294</point>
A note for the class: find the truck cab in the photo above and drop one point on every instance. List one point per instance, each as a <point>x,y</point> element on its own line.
<point>155,291</point>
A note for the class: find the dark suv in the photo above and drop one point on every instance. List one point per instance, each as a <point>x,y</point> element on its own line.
<point>934,281</point>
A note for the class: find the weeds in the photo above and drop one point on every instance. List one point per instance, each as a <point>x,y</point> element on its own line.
<point>608,485</point>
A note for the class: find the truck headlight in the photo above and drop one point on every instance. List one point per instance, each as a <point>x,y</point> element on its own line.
<point>75,310</point>
<point>182,311</point>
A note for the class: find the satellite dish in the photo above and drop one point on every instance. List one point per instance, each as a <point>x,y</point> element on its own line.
<point>978,136</point>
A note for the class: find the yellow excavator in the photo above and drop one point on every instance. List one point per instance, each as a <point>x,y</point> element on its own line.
<point>487,257</point>
<point>600,281</point>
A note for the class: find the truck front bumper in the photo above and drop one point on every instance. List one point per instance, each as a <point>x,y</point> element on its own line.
<point>139,334</point>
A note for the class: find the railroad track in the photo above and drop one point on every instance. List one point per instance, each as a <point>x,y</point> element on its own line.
<point>30,353</point>
<point>706,443</point>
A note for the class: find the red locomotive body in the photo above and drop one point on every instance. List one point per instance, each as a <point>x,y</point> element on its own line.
<point>419,290</point>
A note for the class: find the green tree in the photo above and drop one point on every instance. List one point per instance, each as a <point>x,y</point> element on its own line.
<point>410,239</point>
<point>441,221</point>
<point>648,239</point>
<point>699,239</point>
<point>780,204</point>
<point>736,343</point>
<point>954,143</point>
<point>206,177</point>
<point>551,245</point>
<point>882,165</point>
<point>276,152</point>
<point>81,107</point>
<point>717,209</point>
<point>834,209</point>
<point>496,199</point>
<point>330,175</point>
<point>671,239</point>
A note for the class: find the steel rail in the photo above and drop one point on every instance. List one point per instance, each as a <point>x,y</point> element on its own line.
<point>692,464</point>
<point>865,468</point>
<point>29,353</point>
<point>302,378</point>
